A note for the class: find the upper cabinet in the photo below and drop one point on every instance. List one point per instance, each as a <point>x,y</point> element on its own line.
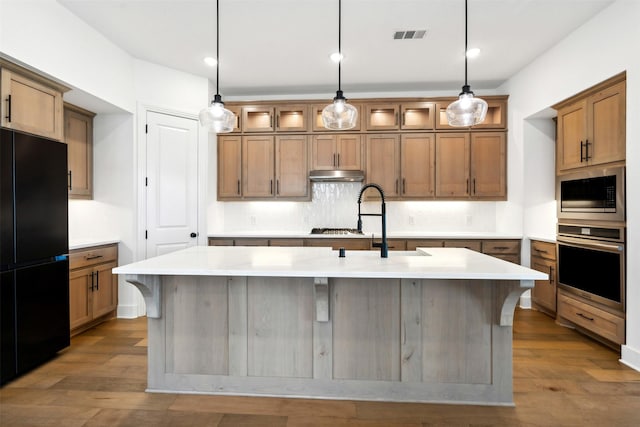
<point>78,135</point>
<point>405,116</point>
<point>30,103</point>
<point>280,118</point>
<point>496,114</point>
<point>316,118</point>
<point>592,127</point>
<point>229,167</point>
<point>402,164</point>
<point>471,166</point>
<point>336,152</point>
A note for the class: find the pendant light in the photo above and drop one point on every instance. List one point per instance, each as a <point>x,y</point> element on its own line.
<point>467,110</point>
<point>339,115</point>
<point>215,116</point>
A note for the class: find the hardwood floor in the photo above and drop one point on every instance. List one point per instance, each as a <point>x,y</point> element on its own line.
<point>561,378</point>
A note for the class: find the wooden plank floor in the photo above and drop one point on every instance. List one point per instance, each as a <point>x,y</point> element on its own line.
<point>561,378</point>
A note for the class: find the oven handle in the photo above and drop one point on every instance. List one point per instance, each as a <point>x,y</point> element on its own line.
<point>613,247</point>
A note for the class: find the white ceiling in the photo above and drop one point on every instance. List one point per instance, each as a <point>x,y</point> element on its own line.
<point>281,47</point>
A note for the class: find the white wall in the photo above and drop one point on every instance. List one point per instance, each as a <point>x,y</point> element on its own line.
<point>48,38</point>
<point>601,48</point>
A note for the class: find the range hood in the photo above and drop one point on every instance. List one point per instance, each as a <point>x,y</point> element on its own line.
<point>336,176</point>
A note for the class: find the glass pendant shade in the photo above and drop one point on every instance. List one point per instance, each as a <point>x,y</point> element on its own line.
<point>467,110</point>
<point>216,117</point>
<point>339,115</point>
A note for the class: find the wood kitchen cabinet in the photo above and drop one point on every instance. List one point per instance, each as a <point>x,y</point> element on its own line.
<point>336,152</point>
<point>258,119</point>
<point>279,118</point>
<point>93,289</point>
<point>229,167</point>
<point>496,117</point>
<point>30,102</point>
<point>417,116</point>
<point>592,127</point>
<point>402,164</point>
<point>543,259</point>
<point>508,250</point>
<point>78,135</point>
<point>382,116</point>
<point>275,167</point>
<point>471,165</point>
<point>292,118</point>
<point>318,125</point>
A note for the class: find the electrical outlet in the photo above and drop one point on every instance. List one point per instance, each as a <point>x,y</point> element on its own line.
<point>469,219</point>
<point>252,220</point>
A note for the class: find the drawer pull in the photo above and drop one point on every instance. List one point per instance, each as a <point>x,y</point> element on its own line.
<point>90,257</point>
<point>585,317</point>
<point>501,248</point>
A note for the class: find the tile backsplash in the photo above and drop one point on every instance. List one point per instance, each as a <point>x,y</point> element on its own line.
<point>335,205</point>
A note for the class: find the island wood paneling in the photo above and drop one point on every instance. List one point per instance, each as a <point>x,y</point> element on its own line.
<point>456,349</point>
<point>280,327</point>
<point>366,329</point>
<point>197,321</point>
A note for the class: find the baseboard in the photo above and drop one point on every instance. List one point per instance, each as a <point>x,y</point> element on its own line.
<point>128,311</point>
<point>630,357</point>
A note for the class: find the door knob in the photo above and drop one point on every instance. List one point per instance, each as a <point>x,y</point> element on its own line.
<point>194,235</point>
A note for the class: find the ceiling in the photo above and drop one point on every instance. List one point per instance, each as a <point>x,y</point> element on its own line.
<point>282,47</point>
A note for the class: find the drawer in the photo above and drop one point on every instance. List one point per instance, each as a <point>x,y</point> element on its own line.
<point>91,256</point>
<point>220,242</point>
<point>394,244</point>
<point>501,247</point>
<point>251,242</point>
<point>592,318</point>
<point>286,242</point>
<point>412,244</point>
<point>348,244</point>
<point>474,245</point>
<point>543,249</point>
<point>507,257</point>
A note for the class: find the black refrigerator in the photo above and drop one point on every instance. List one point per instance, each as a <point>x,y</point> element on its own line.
<point>34,243</point>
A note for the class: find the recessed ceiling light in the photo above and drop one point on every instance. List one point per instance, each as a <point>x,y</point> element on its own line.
<point>336,57</point>
<point>210,61</point>
<point>474,52</point>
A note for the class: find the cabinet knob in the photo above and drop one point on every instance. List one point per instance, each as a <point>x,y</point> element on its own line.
<point>193,235</point>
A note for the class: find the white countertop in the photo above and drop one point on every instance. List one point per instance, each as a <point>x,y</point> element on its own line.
<point>377,235</point>
<point>87,243</point>
<point>427,263</point>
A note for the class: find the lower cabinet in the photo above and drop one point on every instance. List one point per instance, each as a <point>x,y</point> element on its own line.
<point>590,319</point>
<point>543,259</point>
<point>508,250</point>
<point>93,289</point>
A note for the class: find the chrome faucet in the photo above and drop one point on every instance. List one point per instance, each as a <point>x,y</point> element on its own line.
<point>384,248</point>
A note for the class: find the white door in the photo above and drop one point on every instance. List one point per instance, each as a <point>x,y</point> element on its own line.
<point>171,183</point>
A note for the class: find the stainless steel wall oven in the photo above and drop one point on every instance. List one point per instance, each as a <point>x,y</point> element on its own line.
<point>591,262</point>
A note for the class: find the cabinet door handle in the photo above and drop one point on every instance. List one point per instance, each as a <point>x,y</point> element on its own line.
<point>270,186</point>
<point>97,281</point>
<point>404,119</point>
<point>551,279</point>
<point>270,121</point>
<point>91,275</point>
<point>8,116</point>
<point>396,186</point>
<point>404,186</point>
<point>585,317</point>
<point>474,186</point>
<point>581,151</point>
<point>278,121</point>
<point>586,146</point>
<point>70,180</point>
<point>334,160</point>
<point>338,164</point>
<point>396,123</point>
<point>238,187</point>
<point>277,186</point>
<point>468,186</point>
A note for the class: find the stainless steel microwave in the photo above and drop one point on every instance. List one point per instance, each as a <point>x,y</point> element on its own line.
<point>594,195</point>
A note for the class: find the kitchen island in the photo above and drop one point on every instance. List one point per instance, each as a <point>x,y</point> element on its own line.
<point>432,325</point>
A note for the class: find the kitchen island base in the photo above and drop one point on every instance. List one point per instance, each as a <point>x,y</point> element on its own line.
<point>410,340</point>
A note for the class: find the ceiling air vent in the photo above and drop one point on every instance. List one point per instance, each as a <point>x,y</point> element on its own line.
<point>409,34</point>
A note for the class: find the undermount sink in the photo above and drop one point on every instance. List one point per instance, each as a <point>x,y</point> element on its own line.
<point>375,253</point>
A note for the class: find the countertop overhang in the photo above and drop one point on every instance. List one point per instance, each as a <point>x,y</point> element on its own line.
<point>424,263</point>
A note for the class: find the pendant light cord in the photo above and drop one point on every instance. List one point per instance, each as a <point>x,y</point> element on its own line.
<point>217,47</point>
<point>465,42</point>
<point>339,43</point>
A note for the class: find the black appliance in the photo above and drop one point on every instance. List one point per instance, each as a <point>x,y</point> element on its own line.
<point>34,266</point>
<point>591,263</point>
<point>592,195</point>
